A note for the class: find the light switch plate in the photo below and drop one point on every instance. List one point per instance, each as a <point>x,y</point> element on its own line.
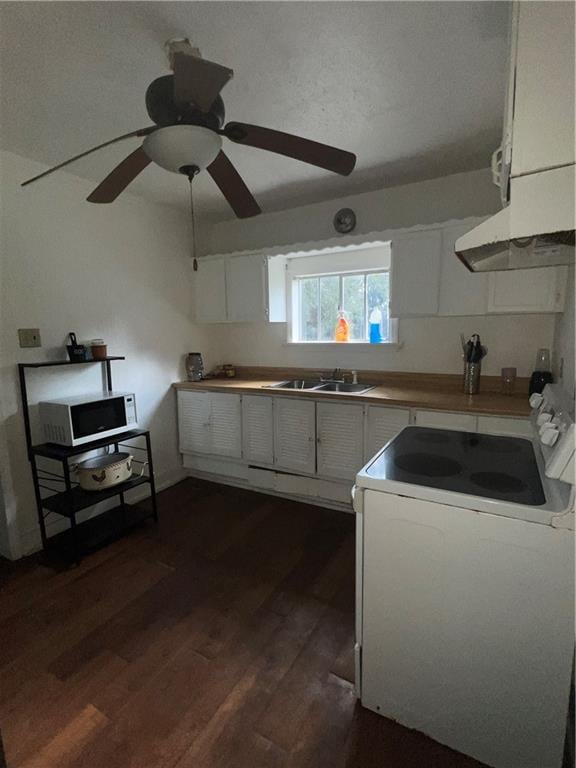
<point>29,337</point>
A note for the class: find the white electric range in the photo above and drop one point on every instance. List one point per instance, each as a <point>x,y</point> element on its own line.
<point>465,586</point>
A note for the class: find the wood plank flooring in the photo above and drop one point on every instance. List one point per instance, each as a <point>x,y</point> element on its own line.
<point>220,638</point>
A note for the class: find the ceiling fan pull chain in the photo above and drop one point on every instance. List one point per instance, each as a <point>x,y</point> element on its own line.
<point>193,220</point>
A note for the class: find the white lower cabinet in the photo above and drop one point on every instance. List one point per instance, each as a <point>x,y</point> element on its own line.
<point>295,434</point>
<point>381,425</point>
<point>339,440</point>
<point>210,422</point>
<point>194,421</point>
<point>464,422</point>
<point>302,447</point>
<point>258,429</point>
<point>226,425</point>
<point>501,425</point>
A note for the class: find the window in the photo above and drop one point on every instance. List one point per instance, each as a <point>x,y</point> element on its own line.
<point>318,298</point>
<point>354,278</point>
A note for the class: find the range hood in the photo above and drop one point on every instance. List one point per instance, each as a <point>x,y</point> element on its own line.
<point>536,229</point>
<point>535,163</point>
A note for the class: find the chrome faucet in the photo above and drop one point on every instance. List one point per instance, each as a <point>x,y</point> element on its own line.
<point>335,376</point>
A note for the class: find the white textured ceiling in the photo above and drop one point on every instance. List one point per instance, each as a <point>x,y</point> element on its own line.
<point>415,89</point>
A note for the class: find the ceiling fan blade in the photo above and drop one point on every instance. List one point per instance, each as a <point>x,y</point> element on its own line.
<point>117,181</point>
<point>132,134</point>
<point>197,80</point>
<point>233,188</point>
<point>307,151</point>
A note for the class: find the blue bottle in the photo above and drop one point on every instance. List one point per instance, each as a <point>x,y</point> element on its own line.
<point>375,324</point>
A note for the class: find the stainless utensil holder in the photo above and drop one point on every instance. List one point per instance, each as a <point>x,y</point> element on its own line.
<point>471,378</point>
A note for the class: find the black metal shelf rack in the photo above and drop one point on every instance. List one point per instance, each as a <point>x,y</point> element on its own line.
<point>72,499</point>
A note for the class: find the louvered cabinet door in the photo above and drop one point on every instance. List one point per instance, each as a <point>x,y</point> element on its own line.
<point>257,429</point>
<point>226,425</point>
<point>382,424</point>
<point>295,435</point>
<point>340,438</point>
<point>194,422</point>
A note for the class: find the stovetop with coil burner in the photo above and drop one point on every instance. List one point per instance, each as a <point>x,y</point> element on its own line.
<point>493,467</point>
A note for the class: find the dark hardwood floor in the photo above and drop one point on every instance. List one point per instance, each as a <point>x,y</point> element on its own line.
<point>221,638</point>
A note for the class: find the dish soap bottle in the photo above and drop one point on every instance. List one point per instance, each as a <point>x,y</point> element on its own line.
<point>375,322</point>
<point>342,332</point>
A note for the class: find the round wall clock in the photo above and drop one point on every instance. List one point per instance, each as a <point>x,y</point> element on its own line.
<point>344,221</point>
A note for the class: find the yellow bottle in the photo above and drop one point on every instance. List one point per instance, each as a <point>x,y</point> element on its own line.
<point>342,332</point>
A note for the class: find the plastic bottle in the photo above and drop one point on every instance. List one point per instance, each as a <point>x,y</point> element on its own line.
<point>342,332</point>
<point>375,322</point>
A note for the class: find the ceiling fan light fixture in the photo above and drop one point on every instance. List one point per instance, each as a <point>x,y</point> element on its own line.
<point>176,146</point>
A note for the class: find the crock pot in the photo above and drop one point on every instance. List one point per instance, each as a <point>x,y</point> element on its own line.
<point>101,472</point>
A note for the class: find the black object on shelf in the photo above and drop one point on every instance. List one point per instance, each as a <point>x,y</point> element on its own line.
<point>538,381</point>
<point>71,499</point>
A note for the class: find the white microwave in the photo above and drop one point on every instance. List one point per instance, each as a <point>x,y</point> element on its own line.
<point>78,420</point>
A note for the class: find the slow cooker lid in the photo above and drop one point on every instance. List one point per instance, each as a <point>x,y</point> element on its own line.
<point>107,460</point>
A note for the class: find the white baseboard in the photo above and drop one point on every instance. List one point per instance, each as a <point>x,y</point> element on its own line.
<point>238,483</point>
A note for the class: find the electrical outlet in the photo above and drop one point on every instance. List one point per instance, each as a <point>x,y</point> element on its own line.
<point>29,337</point>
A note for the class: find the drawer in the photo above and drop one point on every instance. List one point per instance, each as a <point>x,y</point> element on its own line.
<point>500,425</point>
<point>465,422</point>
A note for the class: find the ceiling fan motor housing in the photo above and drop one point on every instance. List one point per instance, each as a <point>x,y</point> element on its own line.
<point>178,147</point>
<point>163,110</point>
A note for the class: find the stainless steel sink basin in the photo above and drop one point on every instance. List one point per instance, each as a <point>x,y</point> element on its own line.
<point>296,384</point>
<point>336,386</point>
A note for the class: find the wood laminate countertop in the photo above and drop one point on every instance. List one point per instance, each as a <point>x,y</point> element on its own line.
<point>490,403</point>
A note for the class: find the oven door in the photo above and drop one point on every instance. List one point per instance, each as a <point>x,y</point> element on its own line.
<point>98,418</point>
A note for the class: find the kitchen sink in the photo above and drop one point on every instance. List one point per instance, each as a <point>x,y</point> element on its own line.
<point>337,386</point>
<point>296,384</point>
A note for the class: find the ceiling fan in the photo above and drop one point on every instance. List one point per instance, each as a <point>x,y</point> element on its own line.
<point>188,116</point>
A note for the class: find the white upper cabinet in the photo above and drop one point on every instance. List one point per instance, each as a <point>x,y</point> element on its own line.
<point>382,424</point>
<point>543,119</point>
<point>339,438</point>
<point>415,273</point>
<point>230,289</point>
<point>258,429</point>
<point>245,284</point>
<point>527,290</point>
<point>210,290</point>
<point>295,435</point>
<point>461,292</point>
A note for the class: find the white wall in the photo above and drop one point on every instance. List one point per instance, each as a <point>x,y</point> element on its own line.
<point>427,202</point>
<point>427,344</point>
<point>564,342</point>
<point>430,345</point>
<point>117,271</point>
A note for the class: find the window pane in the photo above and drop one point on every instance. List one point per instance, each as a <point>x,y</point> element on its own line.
<point>378,295</point>
<point>353,305</point>
<point>309,309</point>
<point>329,300</point>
